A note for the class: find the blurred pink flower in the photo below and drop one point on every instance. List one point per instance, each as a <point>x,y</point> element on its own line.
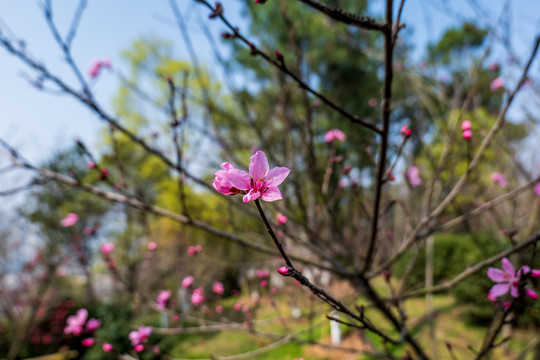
<point>107,248</point>
<point>260,182</point>
<point>372,102</point>
<point>334,134</point>
<point>413,175</point>
<point>494,66</point>
<point>76,322</point>
<point>140,335</point>
<point>95,67</point>
<point>163,298</point>
<point>466,125</point>
<point>139,347</point>
<point>537,189</point>
<point>107,347</point>
<point>499,179</point>
<point>197,297</point>
<point>281,219</point>
<point>152,246</point>
<point>283,270</point>
<point>262,274</point>
<point>467,134</point>
<point>91,164</point>
<point>69,220</point>
<point>188,280</point>
<point>88,342</point>
<point>497,84</point>
<point>194,250</point>
<point>93,324</point>
<point>219,309</point>
<point>218,288</point>
<point>405,131</point>
<point>106,62</point>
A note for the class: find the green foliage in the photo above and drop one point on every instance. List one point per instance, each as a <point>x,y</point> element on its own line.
<point>457,39</point>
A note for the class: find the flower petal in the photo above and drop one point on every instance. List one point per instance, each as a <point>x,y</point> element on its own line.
<point>497,275</point>
<point>514,291</point>
<point>277,175</point>
<point>239,179</point>
<point>499,289</point>
<point>272,194</point>
<point>258,168</point>
<point>508,267</point>
<point>251,195</point>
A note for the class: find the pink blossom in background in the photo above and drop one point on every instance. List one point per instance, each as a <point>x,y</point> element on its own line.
<point>372,102</point>
<point>194,250</point>
<point>333,135</point>
<point>93,324</point>
<point>88,342</point>
<point>106,62</point>
<point>405,131</point>
<point>69,220</point>
<point>197,297</point>
<point>281,219</point>
<point>264,283</point>
<point>107,248</point>
<point>531,293</point>
<point>107,347</point>
<point>95,67</point>
<point>91,164</point>
<point>218,288</point>
<point>188,280</point>
<point>260,182</point>
<point>506,279</point>
<point>467,134</point>
<point>237,306</point>
<point>466,125</point>
<point>413,175</point>
<point>219,309</point>
<point>140,335</point>
<point>537,189</point>
<point>499,179</point>
<point>163,298</point>
<point>152,246</point>
<point>497,84</point>
<point>262,274</point>
<point>139,347</point>
<point>221,182</point>
<point>76,322</point>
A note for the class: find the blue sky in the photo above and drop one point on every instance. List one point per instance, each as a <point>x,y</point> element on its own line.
<point>39,124</point>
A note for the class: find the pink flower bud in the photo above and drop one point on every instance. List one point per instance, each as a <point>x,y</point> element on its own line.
<point>283,270</point>
<point>466,125</point>
<point>535,273</point>
<point>264,283</point>
<point>281,219</point>
<point>531,293</point>
<point>91,164</point>
<point>497,84</point>
<point>107,347</point>
<point>107,248</point>
<point>188,280</point>
<point>69,220</point>
<point>405,131</point>
<point>139,347</point>
<point>88,342</point>
<point>467,134</point>
<point>218,288</point>
<point>152,246</point>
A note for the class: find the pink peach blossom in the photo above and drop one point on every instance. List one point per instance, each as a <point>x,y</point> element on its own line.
<point>405,131</point>
<point>372,102</point>
<point>93,324</point>
<point>333,135</point>
<point>76,322</point>
<point>163,298</point>
<point>219,309</point>
<point>140,335</point>
<point>467,134</point>
<point>413,175</point>
<point>260,182</point>
<point>95,67</point>
<point>69,220</point>
<point>281,219</point>
<point>283,270</point>
<point>499,179</point>
<point>221,182</point>
<point>107,248</point>
<point>506,279</point>
<point>497,84</point>
<point>152,246</point>
<point>139,348</point>
<point>218,288</point>
<point>107,347</point>
<point>188,280</point>
<point>197,297</point>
